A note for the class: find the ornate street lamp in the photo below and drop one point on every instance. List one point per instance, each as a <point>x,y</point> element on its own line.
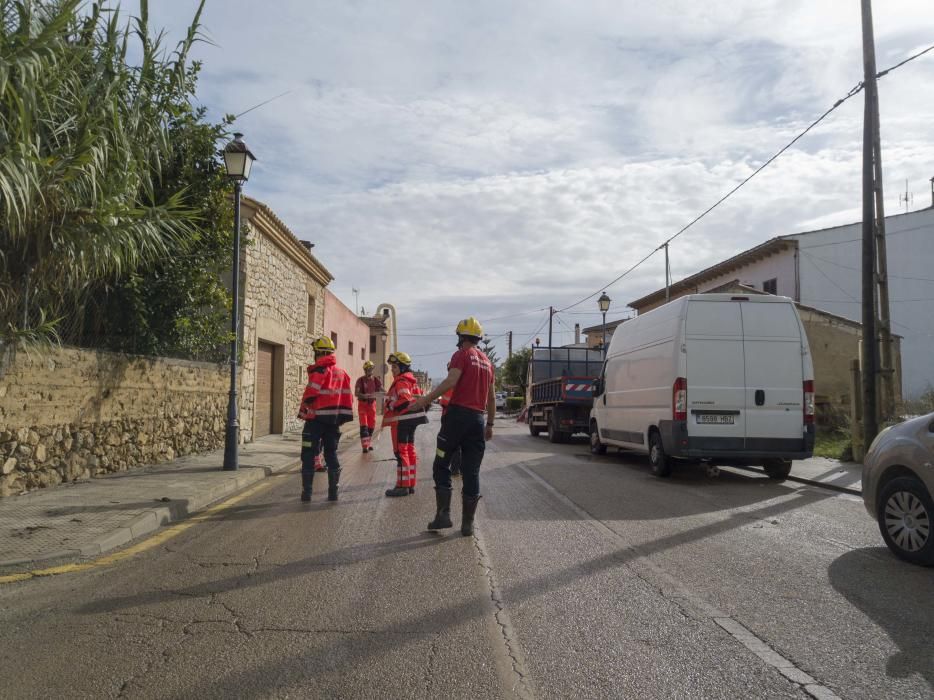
<point>604,303</point>
<point>238,161</point>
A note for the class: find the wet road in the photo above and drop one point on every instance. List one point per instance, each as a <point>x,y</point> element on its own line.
<point>588,578</point>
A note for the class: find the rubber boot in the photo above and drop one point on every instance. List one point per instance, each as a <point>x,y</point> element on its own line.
<point>307,477</point>
<point>467,514</point>
<point>334,477</point>
<point>443,516</point>
<point>398,491</point>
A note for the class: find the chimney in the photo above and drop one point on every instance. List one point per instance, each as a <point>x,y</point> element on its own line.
<point>577,333</point>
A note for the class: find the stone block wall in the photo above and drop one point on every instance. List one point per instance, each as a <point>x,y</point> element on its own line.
<point>67,414</point>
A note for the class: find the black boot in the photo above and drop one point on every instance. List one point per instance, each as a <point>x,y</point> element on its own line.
<point>334,477</point>
<point>307,477</point>
<point>397,491</point>
<point>443,516</point>
<point>467,514</point>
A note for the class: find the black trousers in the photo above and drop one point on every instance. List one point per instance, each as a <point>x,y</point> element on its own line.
<point>464,429</point>
<point>317,437</point>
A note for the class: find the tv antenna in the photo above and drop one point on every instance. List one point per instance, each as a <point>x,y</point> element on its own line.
<point>356,300</point>
<point>907,198</point>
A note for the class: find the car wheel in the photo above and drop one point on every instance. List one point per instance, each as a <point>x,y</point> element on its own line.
<point>554,435</point>
<point>658,460</point>
<point>777,469</point>
<point>596,447</point>
<point>905,515</point>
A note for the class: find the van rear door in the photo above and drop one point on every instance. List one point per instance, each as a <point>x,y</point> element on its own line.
<point>715,375</point>
<point>774,377</point>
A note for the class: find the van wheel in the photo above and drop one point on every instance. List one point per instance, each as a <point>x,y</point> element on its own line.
<point>596,447</point>
<point>658,460</point>
<point>777,469</point>
<point>905,517</point>
<point>554,435</point>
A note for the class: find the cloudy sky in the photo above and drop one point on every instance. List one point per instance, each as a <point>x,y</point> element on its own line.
<point>495,158</point>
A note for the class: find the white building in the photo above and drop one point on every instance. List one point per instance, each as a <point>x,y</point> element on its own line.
<point>821,269</point>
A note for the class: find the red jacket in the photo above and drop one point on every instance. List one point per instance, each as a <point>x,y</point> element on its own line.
<point>401,394</point>
<point>327,396</point>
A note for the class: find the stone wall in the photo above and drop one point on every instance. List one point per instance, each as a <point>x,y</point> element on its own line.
<point>69,414</point>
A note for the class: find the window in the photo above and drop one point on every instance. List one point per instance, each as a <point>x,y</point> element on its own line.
<point>372,344</point>
<point>362,353</point>
<point>334,339</point>
<point>350,348</point>
<point>311,315</point>
<point>770,286</point>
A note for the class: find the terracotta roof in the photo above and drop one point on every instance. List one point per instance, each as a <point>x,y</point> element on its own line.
<point>610,325</point>
<point>374,321</point>
<point>689,284</point>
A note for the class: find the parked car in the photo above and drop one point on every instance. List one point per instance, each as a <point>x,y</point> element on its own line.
<point>501,400</point>
<point>898,480</point>
<point>718,378</point>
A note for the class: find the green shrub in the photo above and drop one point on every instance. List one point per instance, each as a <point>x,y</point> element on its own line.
<point>514,403</point>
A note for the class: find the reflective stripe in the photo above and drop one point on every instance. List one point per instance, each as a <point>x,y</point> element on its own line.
<point>333,392</point>
<point>403,416</point>
<point>334,412</point>
<point>307,444</point>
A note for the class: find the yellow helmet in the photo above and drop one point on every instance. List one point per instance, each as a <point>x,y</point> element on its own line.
<point>368,365</point>
<point>470,326</point>
<point>323,345</point>
<point>401,358</point>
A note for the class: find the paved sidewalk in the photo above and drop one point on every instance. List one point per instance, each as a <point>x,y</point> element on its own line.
<point>830,471</point>
<point>90,517</point>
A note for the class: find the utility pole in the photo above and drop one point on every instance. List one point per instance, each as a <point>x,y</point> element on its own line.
<point>551,314</point>
<point>667,276</point>
<point>870,371</point>
<point>509,334</point>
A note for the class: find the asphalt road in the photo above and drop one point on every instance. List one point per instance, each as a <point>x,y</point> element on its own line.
<point>588,578</point>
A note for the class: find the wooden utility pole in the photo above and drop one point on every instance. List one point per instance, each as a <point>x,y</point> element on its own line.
<point>509,334</point>
<point>870,370</point>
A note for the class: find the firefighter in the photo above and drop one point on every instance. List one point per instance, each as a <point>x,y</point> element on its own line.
<point>404,418</point>
<point>326,405</point>
<point>471,377</point>
<point>366,390</point>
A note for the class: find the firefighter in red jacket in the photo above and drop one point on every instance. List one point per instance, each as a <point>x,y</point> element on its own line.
<point>471,375</point>
<point>400,415</point>
<point>366,390</point>
<point>326,405</point>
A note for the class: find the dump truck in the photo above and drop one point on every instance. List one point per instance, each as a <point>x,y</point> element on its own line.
<point>560,390</point>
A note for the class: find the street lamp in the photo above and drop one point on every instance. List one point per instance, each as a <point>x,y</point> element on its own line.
<point>604,303</point>
<point>238,160</point>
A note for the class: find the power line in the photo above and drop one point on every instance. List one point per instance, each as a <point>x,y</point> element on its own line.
<point>852,93</point>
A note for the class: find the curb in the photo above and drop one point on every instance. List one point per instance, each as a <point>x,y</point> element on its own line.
<point>152,520</point>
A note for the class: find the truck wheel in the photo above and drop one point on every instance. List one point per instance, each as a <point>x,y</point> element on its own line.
<point>554,435</point>
<point>905,514</point>
<point>534,430</point>
<point>658,460</point>
<point>596,447</point>
<point>777,469</point>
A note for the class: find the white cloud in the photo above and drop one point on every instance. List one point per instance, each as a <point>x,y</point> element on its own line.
<point>494,158</point>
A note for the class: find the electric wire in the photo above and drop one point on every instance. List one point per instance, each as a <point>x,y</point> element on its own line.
<point>852,93</point>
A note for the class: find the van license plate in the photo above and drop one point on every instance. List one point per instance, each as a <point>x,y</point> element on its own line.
<point>715,418</point>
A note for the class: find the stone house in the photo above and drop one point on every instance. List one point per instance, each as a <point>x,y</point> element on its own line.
<point>283,310</point>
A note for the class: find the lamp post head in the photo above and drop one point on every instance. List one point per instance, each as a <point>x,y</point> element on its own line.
<point>238,159</point>
<point>604,302</point>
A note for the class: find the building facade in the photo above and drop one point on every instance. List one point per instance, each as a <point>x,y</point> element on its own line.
<point>350,333</point>
<point>283,308</point>
<point>822,271</point>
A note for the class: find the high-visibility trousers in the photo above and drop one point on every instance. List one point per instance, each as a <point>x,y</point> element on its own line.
<point>407,460</point>
<point>366,412</point>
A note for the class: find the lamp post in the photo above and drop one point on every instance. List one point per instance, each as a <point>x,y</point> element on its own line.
<point>604,303</point>
<point>238,161</point>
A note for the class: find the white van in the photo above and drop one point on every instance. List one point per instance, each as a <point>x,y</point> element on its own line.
<point>721,378</point>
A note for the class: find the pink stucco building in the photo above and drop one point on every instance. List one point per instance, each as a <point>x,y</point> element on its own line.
<point>351,335</point>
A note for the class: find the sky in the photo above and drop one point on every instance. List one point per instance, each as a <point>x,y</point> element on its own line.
<point>496,158</point>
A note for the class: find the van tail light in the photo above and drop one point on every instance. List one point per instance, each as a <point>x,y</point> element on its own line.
<point>679,399</point>
<point>808,402</point>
